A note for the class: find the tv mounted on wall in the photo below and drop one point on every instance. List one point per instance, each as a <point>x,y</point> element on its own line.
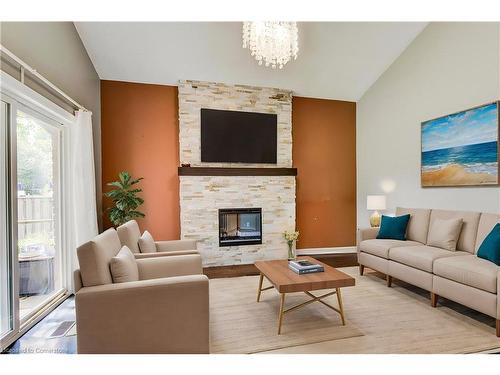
<point>238,137</point>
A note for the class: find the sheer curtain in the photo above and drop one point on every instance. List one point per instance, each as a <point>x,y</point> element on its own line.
<point>83,188</point>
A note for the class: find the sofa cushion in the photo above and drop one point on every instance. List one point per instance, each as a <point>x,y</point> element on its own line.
<point>418,225</point>
<point>94,257</point>
<point>469,270</point>
<point>490,248</point>
<point>147,243</point>
<point>129,234</point>
<point>444,233</point>
<point>486,224</point>
<point>123,266</point>
<point>393,228</point>
<point>421,257</point>
<point>467,238</point>
<point>381,248</point>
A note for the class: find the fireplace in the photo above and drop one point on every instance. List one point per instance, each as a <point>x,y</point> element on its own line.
<point>240,226</point>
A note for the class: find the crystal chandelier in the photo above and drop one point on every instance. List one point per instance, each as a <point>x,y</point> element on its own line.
<point>271,43</point>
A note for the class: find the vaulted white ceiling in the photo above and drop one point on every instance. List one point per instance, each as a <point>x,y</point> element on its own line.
<point>336,60</point>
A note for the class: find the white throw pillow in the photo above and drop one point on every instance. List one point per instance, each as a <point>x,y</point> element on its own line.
<point>147,243</point>
<point>124,266</point>
<point>445,233</point>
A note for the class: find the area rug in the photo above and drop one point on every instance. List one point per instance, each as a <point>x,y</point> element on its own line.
<point>238,324</point>
<point>400,319</point>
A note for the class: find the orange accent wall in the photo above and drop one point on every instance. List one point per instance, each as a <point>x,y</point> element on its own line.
<point>324,152</point>
<point>140,133</point>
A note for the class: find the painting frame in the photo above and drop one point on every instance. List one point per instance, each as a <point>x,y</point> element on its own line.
<point>424,184</point>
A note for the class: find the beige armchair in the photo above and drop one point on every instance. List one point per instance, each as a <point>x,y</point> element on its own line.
<point>166,311</point>
<point>129,234</point>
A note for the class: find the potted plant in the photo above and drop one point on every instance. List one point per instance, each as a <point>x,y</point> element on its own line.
<point>125,199</point>
<point>291,238</point>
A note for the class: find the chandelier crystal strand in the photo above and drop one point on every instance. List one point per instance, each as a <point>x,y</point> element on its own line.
<point>271,43</point>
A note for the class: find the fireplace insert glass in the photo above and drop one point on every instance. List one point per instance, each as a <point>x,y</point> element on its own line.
<point>240,226</point>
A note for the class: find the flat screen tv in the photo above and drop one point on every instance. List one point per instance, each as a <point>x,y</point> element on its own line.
<point>238,137</point>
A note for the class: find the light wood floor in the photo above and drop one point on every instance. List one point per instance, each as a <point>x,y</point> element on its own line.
<point>401,320</point>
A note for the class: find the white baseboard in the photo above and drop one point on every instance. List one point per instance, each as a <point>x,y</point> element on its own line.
<point>327,250</point>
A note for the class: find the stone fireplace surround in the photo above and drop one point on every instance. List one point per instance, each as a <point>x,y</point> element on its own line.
<point>201,197</point>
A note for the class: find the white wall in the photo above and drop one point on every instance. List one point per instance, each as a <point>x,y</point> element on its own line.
<point>448,67</point>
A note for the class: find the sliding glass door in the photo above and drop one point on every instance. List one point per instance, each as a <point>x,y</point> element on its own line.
<point>31,260</point>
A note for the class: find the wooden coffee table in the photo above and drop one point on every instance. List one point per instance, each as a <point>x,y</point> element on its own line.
<point>286,281</point>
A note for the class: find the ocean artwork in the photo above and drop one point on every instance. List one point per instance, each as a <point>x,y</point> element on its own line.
<point>461,149</point>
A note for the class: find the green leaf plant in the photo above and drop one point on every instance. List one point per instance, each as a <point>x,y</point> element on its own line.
<point>125,199</point>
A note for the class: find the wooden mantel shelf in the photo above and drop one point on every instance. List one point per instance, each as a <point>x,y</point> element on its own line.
<point>219,171</point>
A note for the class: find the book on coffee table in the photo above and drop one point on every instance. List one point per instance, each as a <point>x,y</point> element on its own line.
<point>304,266</point>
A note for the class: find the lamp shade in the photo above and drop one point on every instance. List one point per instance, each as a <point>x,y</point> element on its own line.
<point>375,202</point>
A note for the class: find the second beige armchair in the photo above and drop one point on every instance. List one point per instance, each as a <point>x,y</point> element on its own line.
<point>130,236</point>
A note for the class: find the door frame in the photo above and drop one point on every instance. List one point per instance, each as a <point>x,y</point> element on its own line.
<point>13,269</point>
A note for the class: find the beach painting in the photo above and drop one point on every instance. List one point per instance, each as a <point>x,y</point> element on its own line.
<point>461,149</point>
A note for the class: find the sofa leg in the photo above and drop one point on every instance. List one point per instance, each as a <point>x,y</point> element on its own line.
<point>361,269</point>
<point>434,299</point>
<point>388,279</point>
<point>498,327</point>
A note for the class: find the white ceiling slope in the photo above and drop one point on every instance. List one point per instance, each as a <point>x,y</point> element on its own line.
<point>336,60</point>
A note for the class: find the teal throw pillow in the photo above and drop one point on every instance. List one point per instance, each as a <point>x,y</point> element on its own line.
<point>393,228</point>
<point>490,247</point>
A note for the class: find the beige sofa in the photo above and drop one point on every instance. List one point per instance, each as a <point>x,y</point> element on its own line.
<point>457,275</point>
<point>129,234</point>
<point>166,311</point>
